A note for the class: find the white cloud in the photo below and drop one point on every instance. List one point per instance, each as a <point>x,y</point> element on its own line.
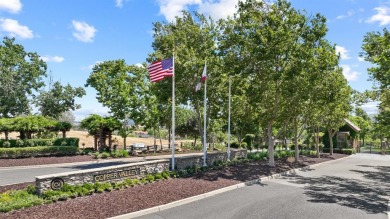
<point>57,59</point>
<point>349,14</point>
<point>370,107</point>
<point>218,10</point>
<point>13,28</point>
<point>90,67</point>
<point>215,8</point>
<point>349,74</point>
<point>83,31</point>
<point>139,65</point>
<point>172,8</point>
<point>82,113</point>
<point>12,6</point>
<point>119,3</point>
<point>382,16</point>
<point>343,52</point>
<point>360,59</point>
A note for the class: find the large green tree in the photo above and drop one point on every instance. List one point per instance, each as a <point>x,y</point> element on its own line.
<point>123,89</point>
<point>376,50</point>
<point>193,40</point>
<point>58,99</point>
<point>21,76</point>
<point>270,45</point>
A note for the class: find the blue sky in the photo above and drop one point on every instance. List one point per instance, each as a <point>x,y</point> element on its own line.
<point>73,35</point>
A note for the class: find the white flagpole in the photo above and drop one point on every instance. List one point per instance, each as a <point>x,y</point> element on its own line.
<point>228,152</point>
<point>173,113</point>
<point>204,124</point>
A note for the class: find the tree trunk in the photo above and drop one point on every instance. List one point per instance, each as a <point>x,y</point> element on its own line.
<point>154,136</point>
<point>169,137</point>
<point>270,146</point>
<point>317,134</point>
<point>296,141</point>
<point>331,134</point>
<point>159,135</point>
<point>6,133</point>
<point>110,140</point>
<point>63,133</point>
<point>101,140</point>
<point>124,143</point>
<point>95,142</point>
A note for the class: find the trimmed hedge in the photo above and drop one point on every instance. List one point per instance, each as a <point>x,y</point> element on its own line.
<point>38,151</point>
<point>348,151</point>
<point>66,142</point>
<point>18,143</point>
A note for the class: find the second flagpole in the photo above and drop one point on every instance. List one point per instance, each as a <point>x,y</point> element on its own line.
<point>173,113</point>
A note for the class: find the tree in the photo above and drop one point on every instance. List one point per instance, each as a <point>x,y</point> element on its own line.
<point>193,39</point>
<point>266,43</point>
<point>100,126</point>
<point>58,99</point>
<point>21,75</point>
<point>376,50</point>
<point>28,125</point>
<point>122,89</point>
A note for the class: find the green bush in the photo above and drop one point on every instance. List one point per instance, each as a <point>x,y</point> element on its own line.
<point>244,145</point>
<point>29,143</point>
<point>105,155</point>
<point>68,142</point>
<point>96,155</point>
<point>348,151</point>
<point>234,145</point>
<point>19,143</point>
<point>6,144</point>
<point>37,151</point>
<point>120,153</point>
<point>17,199</point>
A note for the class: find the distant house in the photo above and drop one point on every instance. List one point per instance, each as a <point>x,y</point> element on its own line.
<point>347,136</point>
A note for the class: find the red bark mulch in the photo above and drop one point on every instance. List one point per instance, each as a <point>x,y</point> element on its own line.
<point>128,200</point>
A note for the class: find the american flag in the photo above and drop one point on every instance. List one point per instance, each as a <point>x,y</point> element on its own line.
<point>160,69</point>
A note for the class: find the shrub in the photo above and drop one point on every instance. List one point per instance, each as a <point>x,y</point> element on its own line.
<point>29,143</point>
<point>69,142</point>
<point>348,151</point>
<point>244,145</point>
<point>105,155</point>
<point>234,145</point>
<point>17,199</point>
<point>166,175</point>
<point>19,143</point>
<point>158,176</point>
<point>37,151</point>
<point>149,178</point>
<point>6,144</point>
<point>120,153</point>
<point>96,155</point>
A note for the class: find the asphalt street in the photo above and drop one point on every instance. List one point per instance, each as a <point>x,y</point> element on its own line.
<point>21,174</point>
<point>357,187</point>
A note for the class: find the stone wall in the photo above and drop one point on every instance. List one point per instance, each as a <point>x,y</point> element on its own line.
<point>238,153</point>
<point>197,160</point>
<point>105,174</point>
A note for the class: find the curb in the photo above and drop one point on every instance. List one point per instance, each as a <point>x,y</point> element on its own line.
<point>219,191</point>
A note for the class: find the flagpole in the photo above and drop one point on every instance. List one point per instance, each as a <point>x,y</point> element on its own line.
<point>204,126</point>
<point>228,152</point>
<point>173,113</point>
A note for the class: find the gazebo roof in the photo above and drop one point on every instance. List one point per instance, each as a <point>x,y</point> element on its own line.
<point>353,126</point>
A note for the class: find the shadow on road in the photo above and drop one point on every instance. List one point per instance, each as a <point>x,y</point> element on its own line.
<point>370,196</point>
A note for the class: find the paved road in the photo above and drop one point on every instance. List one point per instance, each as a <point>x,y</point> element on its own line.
<point>13,175</point>
<point>357,187</point>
